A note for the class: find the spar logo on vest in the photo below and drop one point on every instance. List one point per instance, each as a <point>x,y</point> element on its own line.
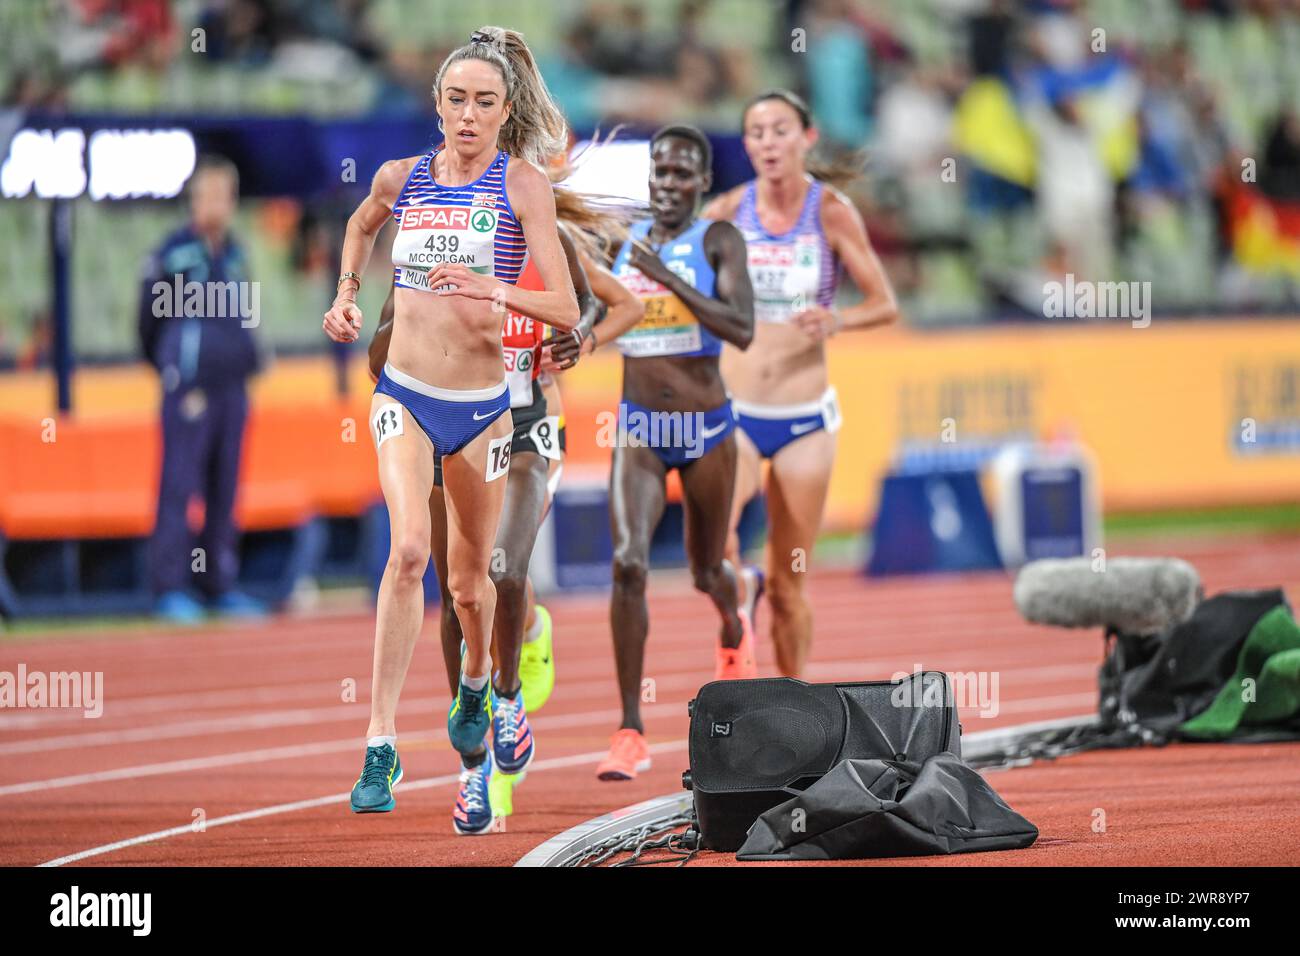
<point>521,339</point>
<point>519,360</point>
<point>640,284</point>
<point>436,217</point>
<point>432,235</point>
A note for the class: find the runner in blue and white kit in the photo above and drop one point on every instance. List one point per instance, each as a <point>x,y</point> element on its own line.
<point>675,414</point>
<point>467,214</point>
<point>800,233</point>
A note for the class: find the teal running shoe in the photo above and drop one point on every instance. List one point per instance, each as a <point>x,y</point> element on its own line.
<point>373,792</point>
<point>469,718</point>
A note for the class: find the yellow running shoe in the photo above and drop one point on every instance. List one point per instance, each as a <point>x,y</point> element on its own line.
<point>537,665</point>
<point>501,793</point>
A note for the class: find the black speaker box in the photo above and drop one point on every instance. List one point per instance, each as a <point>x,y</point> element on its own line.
<point>756,743</point>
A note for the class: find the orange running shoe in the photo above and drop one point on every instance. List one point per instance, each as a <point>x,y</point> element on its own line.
<point>738,663</point>
<point>628,756</point>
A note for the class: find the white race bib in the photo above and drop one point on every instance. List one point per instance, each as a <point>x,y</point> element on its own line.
<point>831,411</point>
<point>785,277</point>
<point>545,434</point>
<point>519,375</point>
<point>669,326</point>
<point>498,457</point>
<point>431,236</point>
<point>387,422</point>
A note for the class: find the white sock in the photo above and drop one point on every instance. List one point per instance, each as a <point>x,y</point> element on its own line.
<point>747,581</point>
<point>473,683</point>
<point>535,631</point>
<point>380,741</point>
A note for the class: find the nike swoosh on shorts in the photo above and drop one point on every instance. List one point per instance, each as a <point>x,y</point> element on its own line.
<point>803,428</point>
<point>479,418</point>
<point>710,432</point>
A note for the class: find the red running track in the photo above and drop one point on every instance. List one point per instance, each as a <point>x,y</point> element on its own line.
<point>233,745</point>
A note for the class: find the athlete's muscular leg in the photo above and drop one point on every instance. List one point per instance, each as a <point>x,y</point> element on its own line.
<point>525,505</point>
<point>796,496</point>
<point>473,509</point>
<point>749,478</point>
<point>554,406</point>
<point>707,487</point>
<point>448,624</point>
<point>519,478</point>
<point>636,503</point>
<point>530,607</point>
<point>405,475</point>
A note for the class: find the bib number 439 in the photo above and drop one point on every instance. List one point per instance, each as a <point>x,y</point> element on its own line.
<point>442,242</point>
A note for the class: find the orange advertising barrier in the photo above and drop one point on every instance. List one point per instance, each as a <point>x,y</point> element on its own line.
<point>1183,413</point>
<point>68,479</point>
<point>95,475</point>
<point>1179,414</point>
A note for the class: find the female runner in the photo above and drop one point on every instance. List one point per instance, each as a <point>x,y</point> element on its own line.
<point>799,232</point>
<point>467,213</point>
<point>523,661</point>
<point>691,275</point>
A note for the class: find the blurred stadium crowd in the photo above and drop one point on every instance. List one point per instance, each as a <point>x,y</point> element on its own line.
<point>1008,142</point>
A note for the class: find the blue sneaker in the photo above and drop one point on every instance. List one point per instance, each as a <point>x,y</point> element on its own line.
<point>373,792</point>
<point>179,608</point>
<point>469,718</point>
<point>512,738</point>
<point>238,604</point>
<point>472,814</point>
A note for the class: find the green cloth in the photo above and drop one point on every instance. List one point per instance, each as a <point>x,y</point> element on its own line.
<point>1270,661</point>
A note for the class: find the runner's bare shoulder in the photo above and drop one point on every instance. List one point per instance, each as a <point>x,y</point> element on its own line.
<point>724,205</point>
<point>391,177</point>
<point>526,181</point>
<point>838,213</point>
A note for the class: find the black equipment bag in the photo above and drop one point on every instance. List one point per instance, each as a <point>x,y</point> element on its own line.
<point>865,809</point>
<point>1159,681</point>
<point>756,743</point>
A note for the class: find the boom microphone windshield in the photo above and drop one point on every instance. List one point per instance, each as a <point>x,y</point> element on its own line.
<point>1132,595</point>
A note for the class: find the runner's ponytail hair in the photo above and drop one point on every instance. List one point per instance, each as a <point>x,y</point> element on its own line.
<point>535,128</point>
<point>597,229</point>
<point>598,223</point>
<point>838,171</point>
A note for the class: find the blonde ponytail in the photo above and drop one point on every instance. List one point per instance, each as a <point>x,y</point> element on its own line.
<point>598,223</point>
<point>535,128</point>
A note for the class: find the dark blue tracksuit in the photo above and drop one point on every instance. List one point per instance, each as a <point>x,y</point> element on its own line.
<point>199,343</point>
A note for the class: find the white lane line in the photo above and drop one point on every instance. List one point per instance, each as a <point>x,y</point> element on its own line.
<point>554,763</point>
<point>188,702</point>
<point>119,703</point>
<point>197,728</point>
<point>832,612</point>
<point>181,766</point>
<point>654,711</point>
<point>1033,705</point>
<point>591,675</point>
<point>169,767</point>
<point>578,689</point>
